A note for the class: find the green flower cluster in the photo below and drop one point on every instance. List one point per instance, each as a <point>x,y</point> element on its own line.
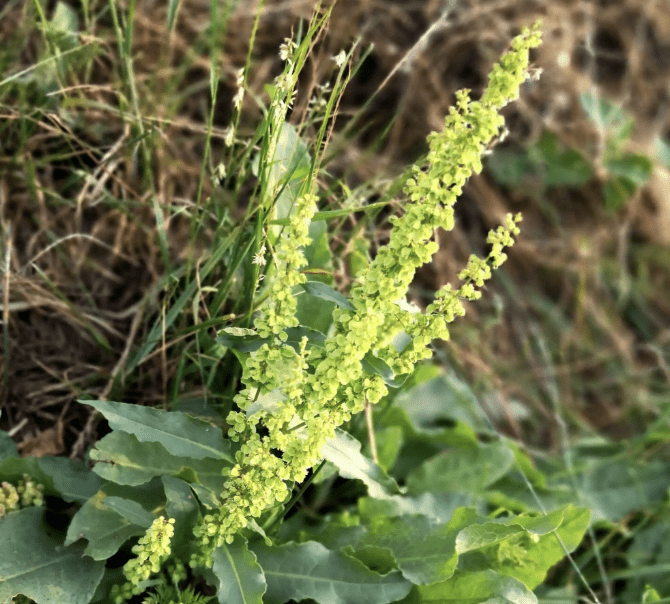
<point>301,396</point>
<point>151,551</point>
<point>169,595</point>
<point>27,493</point>
<point>258,479</point>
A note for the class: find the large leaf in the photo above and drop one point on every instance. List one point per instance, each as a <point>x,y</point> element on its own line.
<point>481,587</point>
<point>316,312</point>
<point>524,547</point>
<point>441,401</point>
<point>121,458</point>
<point>34,562</point>
<point>560,167</point>
<point>72,479</point>
<point>7,446</point>
<point>183,507</point>
<point>247,340</point>
<point>439,507</point>
<point>424,551</point>
<point>344,451</point>
<point>179,433</point>
<point>309,570</point>
<point>612,489</point>
<point>102,521</point>
<point>325,292</point>
<point>288,168</point>
<point>240,578</point>
<point>464,470</point>
<point>631,166</point>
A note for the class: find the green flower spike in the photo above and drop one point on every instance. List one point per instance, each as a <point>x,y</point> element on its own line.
<point>315,391</point>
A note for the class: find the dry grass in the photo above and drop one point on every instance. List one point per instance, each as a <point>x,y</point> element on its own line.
<point>109,211</point>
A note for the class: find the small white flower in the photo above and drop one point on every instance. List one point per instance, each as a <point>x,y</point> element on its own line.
<point>340,58</point>
<point>228,140</point>
<point>283,82</point>
<point>286,49</point>
<point>220,170</point>
<point>237,99</point>
<point>259,258</point>
<point>239,77</point>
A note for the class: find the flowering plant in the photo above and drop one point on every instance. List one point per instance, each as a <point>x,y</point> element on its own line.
<point>315,389</point>
<point>225,498</point>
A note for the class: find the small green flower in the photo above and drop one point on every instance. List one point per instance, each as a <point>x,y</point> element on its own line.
<point>152,550</point>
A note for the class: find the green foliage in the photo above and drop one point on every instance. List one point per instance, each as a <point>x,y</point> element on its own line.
<point>432,506</point>
<point>546,165</point>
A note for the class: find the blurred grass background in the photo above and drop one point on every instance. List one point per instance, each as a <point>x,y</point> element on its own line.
<point>119,194</point>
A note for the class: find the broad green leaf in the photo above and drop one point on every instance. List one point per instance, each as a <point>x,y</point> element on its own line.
<point>288,169</point>
<point>315,312</point>
<point>421,445</point>
<point>309,570</point>
<point>296,334</point>
<point>104,527</point>
<point>325,292</point>
<point>250,340</point>
<point>130,510</point>
<point>121,458</point>
<point>270,402</point>
<point>632,167</point>
<point>106,531</point>
<point>467,470</point>
<point>424,551</point>
<point>7,446</point>
<point>207,497</point>
<point>336,531</point>
<point>179,433</point>
<point>545,550</point>
<point>613,489</point>
<point>73,480</point>
<point>526,466</point>
<point>442,401</point>
<point>559,167</point>
<point>511,168</point>
<point>511,492</point>
<point>524,547</point>
<point>439,507</point>
<point>559,595</point>
<point>183,507</point>
<point>489,532</point>
<point>375,365</point>
<point>34,562</point>
<point>605,115</point>
<point>480,587</point>
<point>238,338</point>
<point>389,443</point>
<point>344,451</point>
<point>240,578</point>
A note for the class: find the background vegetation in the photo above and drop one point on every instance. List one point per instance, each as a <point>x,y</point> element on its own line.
<point>119,192</point>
